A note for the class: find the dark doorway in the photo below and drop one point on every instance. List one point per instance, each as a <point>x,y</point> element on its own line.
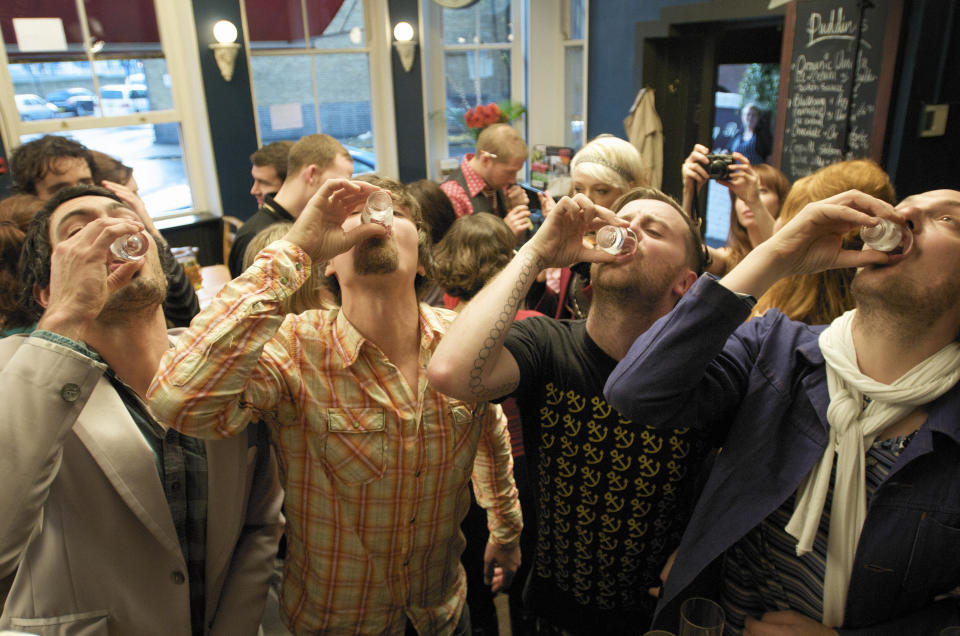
<point>688,70</point>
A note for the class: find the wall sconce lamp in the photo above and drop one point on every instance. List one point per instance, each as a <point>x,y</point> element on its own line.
<point>226,48</point>
<point>404,43</point>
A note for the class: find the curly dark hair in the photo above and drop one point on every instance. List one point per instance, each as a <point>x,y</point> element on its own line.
<point>32,161</point>
<point>34,266</point>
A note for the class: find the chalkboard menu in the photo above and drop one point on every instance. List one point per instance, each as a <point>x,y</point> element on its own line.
<point>834,85</point>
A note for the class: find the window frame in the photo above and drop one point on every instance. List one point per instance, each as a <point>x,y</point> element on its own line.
<point>377,47</point>
<point>178,43</point>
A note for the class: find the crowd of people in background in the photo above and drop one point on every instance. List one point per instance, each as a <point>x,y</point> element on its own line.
<point>457,402</point>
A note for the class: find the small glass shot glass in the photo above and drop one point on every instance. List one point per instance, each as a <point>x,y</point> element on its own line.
<point>887,236</point>
<point>378,209</point>
<point>612,239</point>
<point>130,247</point>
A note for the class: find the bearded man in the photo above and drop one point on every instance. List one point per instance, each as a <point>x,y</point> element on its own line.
<point>612,495</point>
<point>375,461</point>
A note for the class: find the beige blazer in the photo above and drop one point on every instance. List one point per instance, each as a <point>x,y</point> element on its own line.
<point>84,522</point>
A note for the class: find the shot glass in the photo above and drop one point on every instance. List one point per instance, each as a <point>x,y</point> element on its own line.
<point>378,209</point>
<point>886,236</point>
<point>701,617</point>
<point>614,239</point>
<point>130,248</point>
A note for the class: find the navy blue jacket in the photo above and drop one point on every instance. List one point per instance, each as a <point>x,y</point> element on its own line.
<point>761,388</point>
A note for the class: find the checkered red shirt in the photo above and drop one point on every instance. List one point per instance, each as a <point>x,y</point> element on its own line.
<point>460,199</point>
<point>376,474</point>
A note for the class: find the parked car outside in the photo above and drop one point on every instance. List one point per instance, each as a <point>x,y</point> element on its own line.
<point>364,161</point>
<point>32,107</point>
<point>123,99</point>
<point>76,100</point>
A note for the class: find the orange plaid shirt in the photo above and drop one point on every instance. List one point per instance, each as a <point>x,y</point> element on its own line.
<point>376,474</point>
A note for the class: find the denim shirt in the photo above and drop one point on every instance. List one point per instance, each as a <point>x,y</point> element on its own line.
<point>760,389</point>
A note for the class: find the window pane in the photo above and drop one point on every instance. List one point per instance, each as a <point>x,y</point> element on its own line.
<point>577,15</point>
<point>345,106</point>
<point>486,22</point>
<point>472,78</point>
<point>336,24</point>
<point>133,86</point>
<point>156,156</point>
<point>275,23</point>
<point>573,100</point>
<point>283,90</point>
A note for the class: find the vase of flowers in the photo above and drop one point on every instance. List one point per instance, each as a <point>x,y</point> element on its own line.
<point>483,115</point>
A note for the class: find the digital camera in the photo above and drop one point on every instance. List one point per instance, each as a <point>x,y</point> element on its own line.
<point>718,165</point>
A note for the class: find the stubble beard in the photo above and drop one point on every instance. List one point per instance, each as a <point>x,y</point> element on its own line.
<point>137,298</point>
<point>898,300</point>
<point>643,290</point>
<point>376,256</point>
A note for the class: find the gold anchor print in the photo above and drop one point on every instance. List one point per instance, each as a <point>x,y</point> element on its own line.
<point>640,507</point>
<point>636,527</point>
<point>571,426</point>
<point>614,503</point>
<point>595,432</point>
<point>568,448</point>
<point>585,516</point>
<point>565,469</point>
<point>652,443</point>
<point>610,524</point>
<point>575,403</point>
<point>676,470</point>
<point>617,482</point>
<point>591,477</point>
<point>588,497</point>
<point>563,508</point>
<point>620,461</point>
<point>553,396</point>
<point>679,447</point>
<point>608,543</point>
<point>601,410</point>
<point>584,535</point>
<point>644,488</point>
<point>548,439</point>
<point>563,488</point>
<point>648,467</point>
<point>592,453</point>
<point>623,438</point>
<point>548,417</point>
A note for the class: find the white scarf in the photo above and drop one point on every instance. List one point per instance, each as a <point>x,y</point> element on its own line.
<point>852,433</point>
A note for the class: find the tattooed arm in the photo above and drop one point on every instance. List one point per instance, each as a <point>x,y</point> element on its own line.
<point>470,363</point>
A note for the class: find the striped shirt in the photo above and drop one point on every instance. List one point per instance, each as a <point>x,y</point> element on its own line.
<point>762,572</point>
<point>376,472</point>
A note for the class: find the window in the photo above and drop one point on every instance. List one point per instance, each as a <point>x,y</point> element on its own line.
<point>481,62</point>
<point>525,51</point>
<point>312,63</point>
<point>97,71</point>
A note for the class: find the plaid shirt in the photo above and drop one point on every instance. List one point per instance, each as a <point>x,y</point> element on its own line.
<point>376,474</point>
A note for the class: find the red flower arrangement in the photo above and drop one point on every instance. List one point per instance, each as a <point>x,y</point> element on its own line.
<point>483,115</point>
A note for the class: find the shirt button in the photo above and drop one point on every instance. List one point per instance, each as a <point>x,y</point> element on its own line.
<point>177,577</point>
<point>418,473</point>
<point>283,279</point>
<point>70,392</point>
<point>356,425</point>
<point>299,266</point>
<point>412,520</point>
<point>175,486</point>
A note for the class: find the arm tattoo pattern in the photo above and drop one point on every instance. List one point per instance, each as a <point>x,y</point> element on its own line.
<point>530,266</point>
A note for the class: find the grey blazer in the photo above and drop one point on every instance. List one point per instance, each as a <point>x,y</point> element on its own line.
<point>84,522</point>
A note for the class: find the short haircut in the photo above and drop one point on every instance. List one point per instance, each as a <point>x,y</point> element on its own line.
<point>401,197</point>
<point>438,212</point>
<point>275,155</point>
<point>318,150</point>
<point>32,161</point>
<point>34,267</point>
<point>502,140</point>
<point>697,257</point>
<point>610,160</point>
<point>106,167</point>
<point>476,247</point>
<point>312,294</point>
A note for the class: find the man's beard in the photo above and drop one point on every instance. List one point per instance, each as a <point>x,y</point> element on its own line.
<point>141,295</point>
<point>376,256</point>
<point>900,297</point>
<point>642,291</point>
